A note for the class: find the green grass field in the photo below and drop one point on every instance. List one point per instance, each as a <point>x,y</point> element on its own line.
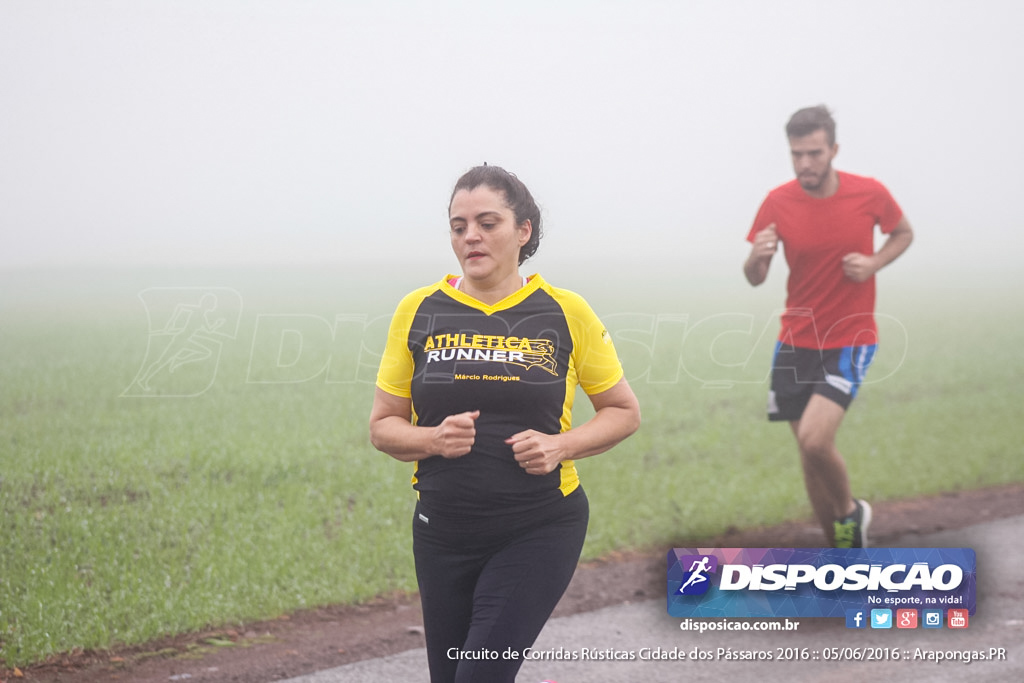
<point>242,485</point>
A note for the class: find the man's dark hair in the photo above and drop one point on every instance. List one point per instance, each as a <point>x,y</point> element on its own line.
<point>517,198</point>
<point>810,119</point>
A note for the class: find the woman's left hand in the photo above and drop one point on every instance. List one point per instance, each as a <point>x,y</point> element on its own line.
<point>535,452</point>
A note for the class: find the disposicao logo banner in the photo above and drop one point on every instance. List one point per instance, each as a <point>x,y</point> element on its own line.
<point>817,582</point>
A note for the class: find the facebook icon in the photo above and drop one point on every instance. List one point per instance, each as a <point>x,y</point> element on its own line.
<point>855,618</point>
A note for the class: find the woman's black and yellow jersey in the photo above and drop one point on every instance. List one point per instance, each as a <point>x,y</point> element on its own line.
<point>518,362</point>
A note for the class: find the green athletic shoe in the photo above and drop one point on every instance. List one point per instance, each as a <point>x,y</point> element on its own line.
<point>852,531</point>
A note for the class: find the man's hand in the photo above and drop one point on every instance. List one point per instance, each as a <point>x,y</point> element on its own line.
<point>766,243</point>
<point>454,437</point>
<point>859,267</point>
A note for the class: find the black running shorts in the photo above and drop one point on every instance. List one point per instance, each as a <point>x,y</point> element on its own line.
<point>799,373</point>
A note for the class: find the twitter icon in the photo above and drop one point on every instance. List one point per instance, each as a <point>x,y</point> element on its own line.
<point>881,618</point>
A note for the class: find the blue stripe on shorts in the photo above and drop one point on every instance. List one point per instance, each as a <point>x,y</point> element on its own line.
<point>854,362</point>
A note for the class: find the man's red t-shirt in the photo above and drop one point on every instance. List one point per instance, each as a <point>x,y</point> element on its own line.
<point>825,309</point>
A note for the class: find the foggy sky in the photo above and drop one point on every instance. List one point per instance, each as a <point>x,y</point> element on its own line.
<point>249,132</point>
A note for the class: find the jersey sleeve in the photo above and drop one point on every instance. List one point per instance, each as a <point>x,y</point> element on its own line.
<point>396,365</point>
<point>887,211</point>
<point>763,218</point>
<point>594,358</point>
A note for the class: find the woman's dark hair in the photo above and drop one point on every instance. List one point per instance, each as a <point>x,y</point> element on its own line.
<point>517,198</point>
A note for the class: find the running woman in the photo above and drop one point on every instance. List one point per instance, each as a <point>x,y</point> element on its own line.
<point>476,387</point>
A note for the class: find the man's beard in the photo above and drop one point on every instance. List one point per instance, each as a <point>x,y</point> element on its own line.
<point>812,182</point>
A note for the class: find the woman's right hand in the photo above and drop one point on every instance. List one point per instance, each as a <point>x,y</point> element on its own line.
<point>454,437</point>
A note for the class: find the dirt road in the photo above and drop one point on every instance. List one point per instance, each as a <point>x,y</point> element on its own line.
<point>321,639</point>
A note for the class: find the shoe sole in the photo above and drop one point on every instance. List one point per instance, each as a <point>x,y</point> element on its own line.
<point>865,522</point>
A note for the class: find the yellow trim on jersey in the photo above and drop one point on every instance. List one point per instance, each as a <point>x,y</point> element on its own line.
<point>396,365</point>
<point>592,350</point>
<point>533,283</point>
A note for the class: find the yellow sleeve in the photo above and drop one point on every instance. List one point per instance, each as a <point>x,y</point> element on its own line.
<point>396,365</point>
<point>594,358</point>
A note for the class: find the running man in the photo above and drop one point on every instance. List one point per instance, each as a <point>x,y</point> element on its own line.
<point>825,219</point>
<point>698,569</point>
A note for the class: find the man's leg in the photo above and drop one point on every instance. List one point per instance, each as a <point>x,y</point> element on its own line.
<point>825,477</point>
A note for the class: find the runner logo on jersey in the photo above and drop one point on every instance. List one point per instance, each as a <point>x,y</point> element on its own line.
<point>492,348</point>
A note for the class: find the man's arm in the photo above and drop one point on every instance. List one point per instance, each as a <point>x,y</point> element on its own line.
<point>860,267</point>
<point>766,243</point>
